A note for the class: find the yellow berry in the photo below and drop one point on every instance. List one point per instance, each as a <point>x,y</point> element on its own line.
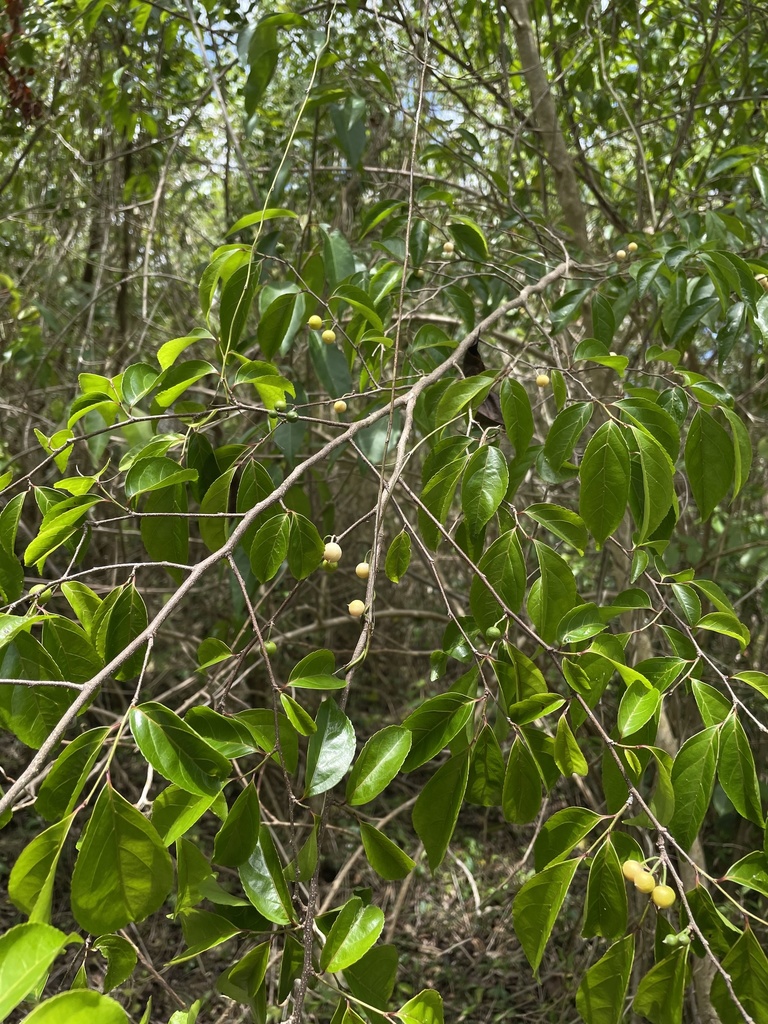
<point>448,248</point>
<point>356,608</point>
<point>332,552</point>
<point>762,280</point>
<point>644,881</point>
<point>542,381</point>
<point>631,869</point>
<point>418,273</point>
<point>340,406</point>
<point>621,254</point>
<point>632,247</point>
<point>315,322</point>
<point>663,896</point>
<point>362,570</point>
<point>328,336</point>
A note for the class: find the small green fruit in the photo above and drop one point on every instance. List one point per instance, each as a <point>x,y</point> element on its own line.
<point>270,648</point>
<point>280,405</point>
<point>493,633</point>
<point>329,566</point>
<point>291,415</point>
<point>41,593</point>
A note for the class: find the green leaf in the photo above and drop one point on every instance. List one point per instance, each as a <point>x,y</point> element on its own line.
<point>385,857</point>
<point>238,836</point>
<point>305,547</point>
<point>747,967</point>
<point>561,833</point>
<point>483,486</point>
<point>154,474</point>
<point>659,995</point>
<point>568,756</point>
<point>534,707</point>
<point>127,619</point>
<point>372,978</point>
<point>709,461</point>
<point>537,906</point>
<point>331,749</point>
<point>259,217</point>
<point>26,953</point>
<point>727,624</point>
<point>123,873</point>
<point>398,557</point>
<point>434,725</point>
<point>657,470</point>
<point>64,783</point>
<point>562,522</point>
<point>354,931</point>
<point>299,718</point>
<point>79,1006</point>
<point>270,546</point>
<point>245,977</point>
<point>436,810</point>
<point>175,811</point>
<point>460,394</point>
<point>338,258</point>
<point>31,882</point>
<point>179,378</point>
<point>121,959</point>
<point>602,994</point>
<point>424,1008</point>
<point>553,595</point>
<point>224,733</point>
<point>713,707</point>
<point>517,414</point>
<point>469,238</point>
<point>264,883</point>
<point>503,566</point>
<point>605,910</point>
<point>378,763</point>
<point>638,705</point>
<point>280,323</point>
<point>693,779</point>
<point>751,871</point>
<point>486,771</point>
<point>566,430</point>
<point>521,794</point>
<point>176,751</point>
<point>604,481</point>
<point>736,771</point>
<point>215,502</point>
<point>58,525</point>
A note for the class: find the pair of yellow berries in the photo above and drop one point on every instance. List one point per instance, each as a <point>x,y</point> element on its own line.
<point>634,871</point>
<point>315,322</point>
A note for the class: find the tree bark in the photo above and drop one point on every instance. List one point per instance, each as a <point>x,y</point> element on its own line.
<point>547,124</point>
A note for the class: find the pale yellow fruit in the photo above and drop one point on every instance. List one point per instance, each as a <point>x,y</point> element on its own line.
<point>418,273</point>
<point>632,247</point>
<point>448,248</point>
<point>621,254</point>
<point>356,608</point>
<point>315,322</point>
<point>762,280</point>
<point>340,406</point>
<point>542,381</point>
<point>644,881</point>
<point>332,552</point>
<point>663,896</point>
<point>328,336</point>
<point>362,570</point>
<point>631,869</point>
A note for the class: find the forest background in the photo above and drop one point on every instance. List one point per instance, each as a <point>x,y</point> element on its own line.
<point>382,511</point>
